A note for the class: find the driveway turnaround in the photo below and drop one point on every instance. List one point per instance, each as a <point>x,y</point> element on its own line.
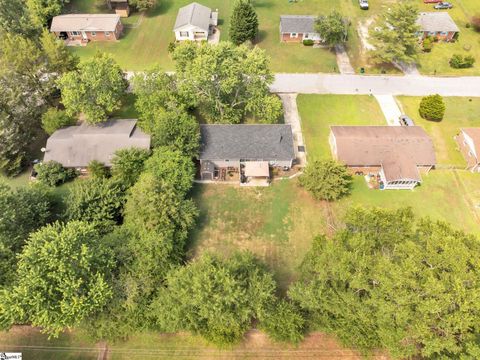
<point>375,85</point>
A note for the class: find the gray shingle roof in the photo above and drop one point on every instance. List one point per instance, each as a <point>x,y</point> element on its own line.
<point>193,14</point>
<point>436,21</point>
<point>85,22</point>
<point>76,146</point>
<point>297,23</point>
<point>247,142</point>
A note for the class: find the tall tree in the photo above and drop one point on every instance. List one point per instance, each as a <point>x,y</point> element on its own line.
<point>386,281</point>
<point>332,28</point>
<point>63,277</point>
<point>243,22</point>
<point>15,18</point>
<point>95,89</point>
<point>128,164</point>
<point>43,11</point>
<point>215,298</point>
<point>226,82</point>
<point>394,36</point>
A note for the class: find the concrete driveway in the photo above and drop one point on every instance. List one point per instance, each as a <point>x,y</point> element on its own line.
<point>292,117</point>
<point>376,85</point>
<point>390,109</point>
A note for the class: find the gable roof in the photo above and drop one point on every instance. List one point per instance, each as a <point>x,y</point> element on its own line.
<point>76,146</point>
<point>194,14</point>
<point>398,149</point>
<point>297,23</point>
<point>247,142</point>
<point>474,134</point>
<point>85,22</point>
<point>436,21</point>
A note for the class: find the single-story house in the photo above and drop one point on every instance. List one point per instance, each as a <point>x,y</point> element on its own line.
<point>121,7</point>
<point>296,28</point>
<point>469,142</point>
<point>195,22</point>
<point>395,153</point>
<point>250,150</point>
<point>437,24</point>
<point>87,27</point>
<point>77,146</point>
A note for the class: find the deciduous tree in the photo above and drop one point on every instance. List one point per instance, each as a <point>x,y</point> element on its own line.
<point>54,119</point>
<point>128,164</point>
<point>333,28</point>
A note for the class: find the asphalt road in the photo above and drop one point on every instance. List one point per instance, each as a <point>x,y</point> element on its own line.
<point>376,85</point>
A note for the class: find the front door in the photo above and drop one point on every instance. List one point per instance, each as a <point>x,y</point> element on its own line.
<point>84,35</point>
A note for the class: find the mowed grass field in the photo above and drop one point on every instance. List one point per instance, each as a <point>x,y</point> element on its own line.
<point>460,112</point>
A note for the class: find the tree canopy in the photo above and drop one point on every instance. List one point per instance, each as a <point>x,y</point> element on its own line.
<point>62,278</point>
<point>243,22</point>
<point>388,281</point>
<point>215,298</point>
<point>332,28</point>
<point>94,90</point>
<point>394,36</point>
<point>128,164</point>
<point>226,82</point>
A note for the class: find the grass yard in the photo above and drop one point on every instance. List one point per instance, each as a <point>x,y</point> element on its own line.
<point>460,112</point>
<point>275,223</point>
<point>319,112</point>
<point>437,61</point>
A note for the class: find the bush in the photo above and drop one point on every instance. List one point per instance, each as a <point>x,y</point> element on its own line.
<point>475,21</point>
<point>432,107</point>
<point>97,170</point>
<point>52,173</point>
<point>326,180</point>
<point>461,62</point>
<point>54,119</point>
<point>308,42</point>
<point>284,323</point>
<point>427,45</point>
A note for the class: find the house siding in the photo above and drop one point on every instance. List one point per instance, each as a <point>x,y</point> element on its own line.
<point>99,35</point>
<point>439,35</point>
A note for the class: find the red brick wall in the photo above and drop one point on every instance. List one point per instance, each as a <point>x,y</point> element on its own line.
<point>99,36</point>
<point>286,37</point>
<point>448,37</point>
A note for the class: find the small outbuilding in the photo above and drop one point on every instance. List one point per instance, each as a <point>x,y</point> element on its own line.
<point>121,7</point>
<point>296,28</point>
<point>395,153</point>
<point>439,25</point>
<point>469,143</point>
<point>77,146</point>
<point>83,28</point>
<point>248,150</point>
<point>195,22</point>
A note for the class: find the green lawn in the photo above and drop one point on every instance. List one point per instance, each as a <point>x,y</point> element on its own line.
<point>318,113</point>
<point>437,61</point>
<point>460,112</point>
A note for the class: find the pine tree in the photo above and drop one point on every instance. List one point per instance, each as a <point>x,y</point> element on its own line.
<point>243,22</point>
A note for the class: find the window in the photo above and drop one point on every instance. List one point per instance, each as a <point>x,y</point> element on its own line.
<point>184,33</point>
<point>306,36</point>
<point>444,33</point>
<point>94,33</point>
<point>107,33</point>
<point>293,35</point>
<point>432,33</point>
<point>75,33</point>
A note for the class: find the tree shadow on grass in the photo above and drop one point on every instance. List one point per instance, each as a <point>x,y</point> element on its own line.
<point>162,8</point>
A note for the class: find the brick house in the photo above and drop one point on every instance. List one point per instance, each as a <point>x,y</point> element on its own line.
<point>437,24</point>
<point>296,28</point>
<point>83,28</point>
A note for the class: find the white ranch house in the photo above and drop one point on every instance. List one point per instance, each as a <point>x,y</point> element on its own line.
<point>195,22</point>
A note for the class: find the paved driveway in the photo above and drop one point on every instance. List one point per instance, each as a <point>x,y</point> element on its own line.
<point>292,117</point>
<point>376,85</point>
<point>390,109</point>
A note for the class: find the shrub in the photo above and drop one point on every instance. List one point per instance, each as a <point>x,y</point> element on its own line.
<point>54,119</point>
<point>427,45</point>
<point>52,173</point>
<point>284,323</point>
<point>461,62</point>
<point>475,21</point>
<point>326,180</point>
<point>432,107</point>
<point>97,170</point>
<point>308,42</point>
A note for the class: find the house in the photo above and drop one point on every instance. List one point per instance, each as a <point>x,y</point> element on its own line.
<point>77,146</point>
<point>247,150</point>
<point>437,24</point>
<point>395,153</point>
<point>83,28</point>
<point>121,7</point>
<point>296,28</point>
<point>195,22</point>
<point>469,142</point>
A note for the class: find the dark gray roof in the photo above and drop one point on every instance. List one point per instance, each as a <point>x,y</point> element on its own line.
<point>76,146</point>
<point>297,23</point>
<point>436,21</point>
<point>194,14</point>
<point>247,142</point>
